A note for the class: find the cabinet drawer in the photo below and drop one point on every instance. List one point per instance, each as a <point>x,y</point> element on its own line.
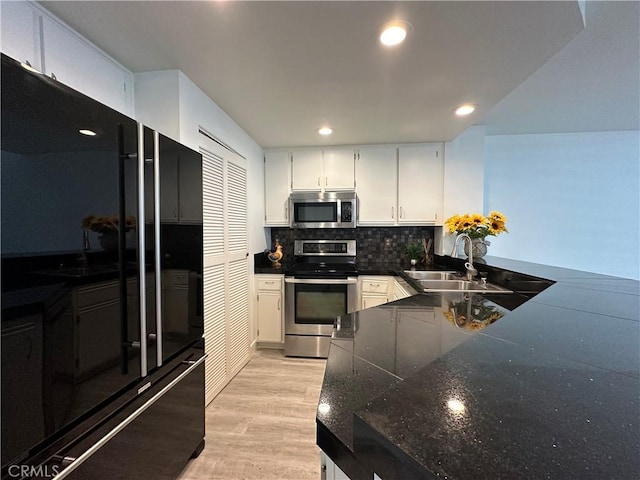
<point>176,277</point>
<point>269,284</point>
<point>98,293</point>
<point>375,285</point>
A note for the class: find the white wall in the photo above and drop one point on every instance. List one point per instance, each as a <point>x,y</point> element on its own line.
<point>197,109</point>
<point>157,101</point>
<point>572,200</point>
<point>463,180</point>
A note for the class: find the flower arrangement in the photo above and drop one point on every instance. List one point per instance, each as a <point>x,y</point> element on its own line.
<point>476,225</point>
<point>472,313</point>
<point>106,223</point>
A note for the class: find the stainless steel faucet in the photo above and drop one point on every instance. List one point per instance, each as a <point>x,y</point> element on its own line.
<point>471,271</point>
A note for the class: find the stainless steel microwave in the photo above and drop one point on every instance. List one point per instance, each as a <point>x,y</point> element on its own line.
<point>323,209</point>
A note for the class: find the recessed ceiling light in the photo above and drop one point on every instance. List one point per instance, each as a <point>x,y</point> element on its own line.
<point>88,133</point>
<point>394,33</point>
<point>325,131</point>
<point>463,110</point>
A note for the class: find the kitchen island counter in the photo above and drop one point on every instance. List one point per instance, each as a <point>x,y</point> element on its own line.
<point>546,389</point>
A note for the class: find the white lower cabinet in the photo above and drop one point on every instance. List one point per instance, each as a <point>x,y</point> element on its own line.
<point>270,308</point>
<point>374,290</point>
<point>330,471</point>
<point>401,290</point>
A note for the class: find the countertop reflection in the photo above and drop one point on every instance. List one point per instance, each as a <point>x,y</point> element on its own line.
<point>450,386</point>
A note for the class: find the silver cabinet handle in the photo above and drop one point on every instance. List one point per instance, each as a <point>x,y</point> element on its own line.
<point>100,443</point>
<point>286,213</point>
<point>392,213</point>
<point>175,212</point>
<point>318,181</point>
<point>279,304</point>
<point>326,181</point>
<point>401,212</point>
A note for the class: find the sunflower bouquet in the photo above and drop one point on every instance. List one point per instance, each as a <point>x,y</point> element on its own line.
<point>474,313</point>
<point>477,225</point>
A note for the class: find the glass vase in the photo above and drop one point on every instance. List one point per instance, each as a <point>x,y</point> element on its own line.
<point>478,247</point>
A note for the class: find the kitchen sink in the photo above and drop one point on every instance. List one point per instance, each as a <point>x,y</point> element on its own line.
<point>459,286</point>
<point>430,275</point>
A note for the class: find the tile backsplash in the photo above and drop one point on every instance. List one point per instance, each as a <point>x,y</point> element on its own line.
<point>374,244</point>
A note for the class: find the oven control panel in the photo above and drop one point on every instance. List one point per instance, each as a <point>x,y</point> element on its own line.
<point>325,247</point>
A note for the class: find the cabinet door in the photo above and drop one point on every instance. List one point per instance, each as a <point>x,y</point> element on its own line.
<point>369,301</point>
<point>169,212</point>
<point>306,170</point>
<point>277,179</point>
<point>376,185</point>
<point>420,190</point>
<point>339,171</point>
<point>98,337</point>
<point>20,32</point>
<point>269,317</point>
<point>190,187</point>
<point>79,65</point>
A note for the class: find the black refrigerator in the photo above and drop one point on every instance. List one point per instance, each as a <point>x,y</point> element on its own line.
<point>102,309</point>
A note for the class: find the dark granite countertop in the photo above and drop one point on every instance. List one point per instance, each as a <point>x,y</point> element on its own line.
<point>548,388</point>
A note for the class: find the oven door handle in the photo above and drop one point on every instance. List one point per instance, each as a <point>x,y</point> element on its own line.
<point>319,281</point>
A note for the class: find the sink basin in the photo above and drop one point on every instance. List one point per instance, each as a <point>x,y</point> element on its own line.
<point>458,286</point>
<point>426,275</point>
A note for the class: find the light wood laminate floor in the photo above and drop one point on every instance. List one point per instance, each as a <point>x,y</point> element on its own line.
<point>262,425</point>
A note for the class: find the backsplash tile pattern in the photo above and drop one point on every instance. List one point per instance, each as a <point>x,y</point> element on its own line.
<point>374,244</point>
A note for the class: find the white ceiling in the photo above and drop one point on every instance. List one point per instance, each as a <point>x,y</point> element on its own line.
<point>283,69</point>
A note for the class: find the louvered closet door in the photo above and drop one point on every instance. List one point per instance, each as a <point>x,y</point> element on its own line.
<point>226,274</point>
<point>214,289</point>
<point>238,286</point>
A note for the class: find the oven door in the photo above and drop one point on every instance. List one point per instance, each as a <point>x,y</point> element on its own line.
<point>313,304</point>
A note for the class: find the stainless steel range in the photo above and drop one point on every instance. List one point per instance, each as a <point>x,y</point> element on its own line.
<point>320,286</point>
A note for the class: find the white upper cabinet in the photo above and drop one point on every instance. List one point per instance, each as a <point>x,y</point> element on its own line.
<point>21,32</point>
<point>400,185</point>
<point>31,34</point>
<point>376,185</point>
<point>277,180</point>
<point>323,170</point>
<point>339,172</point>
<point>81,66</point>
<point>420,184</point>
<point>306,170</point>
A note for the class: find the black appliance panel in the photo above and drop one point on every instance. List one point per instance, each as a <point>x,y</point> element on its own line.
<point>69,219</point>
<point>181,245</point>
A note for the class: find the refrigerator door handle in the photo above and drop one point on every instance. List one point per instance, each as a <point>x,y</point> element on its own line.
<point>75,463</point>
<point>142,273</point>
<point>156,228</point>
